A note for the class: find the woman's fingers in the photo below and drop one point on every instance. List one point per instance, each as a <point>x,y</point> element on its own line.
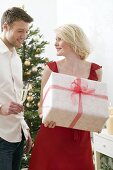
<point>50,124</point>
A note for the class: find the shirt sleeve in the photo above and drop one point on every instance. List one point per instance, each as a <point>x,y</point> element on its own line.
<point>24,126</point>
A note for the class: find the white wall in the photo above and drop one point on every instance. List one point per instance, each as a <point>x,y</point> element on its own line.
<point>45,17</point>
<point>96,18</point>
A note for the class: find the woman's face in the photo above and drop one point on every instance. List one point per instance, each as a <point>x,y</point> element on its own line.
<point>62,47</point>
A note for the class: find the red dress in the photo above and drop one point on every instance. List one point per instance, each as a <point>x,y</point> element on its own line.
<point>62,148</point>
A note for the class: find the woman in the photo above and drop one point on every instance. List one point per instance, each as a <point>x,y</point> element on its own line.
<point>59,148</point>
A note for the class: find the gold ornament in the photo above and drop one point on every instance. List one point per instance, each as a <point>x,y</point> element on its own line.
<point>38,50</point>
<point>27,63</point>
<point>27,105</point>
<point>46,59</point>
<point>38,104</point>
<point>29,98</point>
<point>27,73</point>
<point>30,93</point>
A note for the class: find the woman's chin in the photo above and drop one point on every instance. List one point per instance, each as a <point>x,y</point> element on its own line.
<point>59,54</point>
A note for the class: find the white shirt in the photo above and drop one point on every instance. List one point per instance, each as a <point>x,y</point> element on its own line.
<point>10,88</point>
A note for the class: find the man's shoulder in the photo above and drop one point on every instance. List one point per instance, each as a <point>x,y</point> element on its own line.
<point>3,47</point>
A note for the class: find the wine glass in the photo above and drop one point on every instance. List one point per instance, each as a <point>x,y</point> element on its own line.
<point>21,97</point>
<point>24,91</point>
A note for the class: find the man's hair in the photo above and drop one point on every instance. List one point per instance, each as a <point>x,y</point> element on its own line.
<point>15,14</point>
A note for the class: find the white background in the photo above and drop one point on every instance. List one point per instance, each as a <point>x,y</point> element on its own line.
<point>94,16</point>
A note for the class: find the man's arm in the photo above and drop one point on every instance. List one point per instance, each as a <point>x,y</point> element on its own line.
<point>27,135</point>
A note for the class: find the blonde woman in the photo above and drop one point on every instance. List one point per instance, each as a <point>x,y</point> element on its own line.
<point>59,148</point>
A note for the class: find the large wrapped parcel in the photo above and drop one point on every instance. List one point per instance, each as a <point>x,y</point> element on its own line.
<point>75,102</point>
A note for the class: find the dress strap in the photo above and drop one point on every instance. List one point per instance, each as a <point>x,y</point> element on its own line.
<point>53,66</point>
<point>93,74</point>
<point>95,66</point>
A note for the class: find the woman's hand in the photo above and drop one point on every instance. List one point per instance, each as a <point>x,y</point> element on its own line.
<point>50,124</point>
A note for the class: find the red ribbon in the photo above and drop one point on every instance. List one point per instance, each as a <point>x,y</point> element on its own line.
<point>76,88</point>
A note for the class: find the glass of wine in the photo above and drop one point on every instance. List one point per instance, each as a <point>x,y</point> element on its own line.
<point>24,92</point>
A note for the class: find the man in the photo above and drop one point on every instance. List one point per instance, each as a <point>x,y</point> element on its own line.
<point>13,128</point>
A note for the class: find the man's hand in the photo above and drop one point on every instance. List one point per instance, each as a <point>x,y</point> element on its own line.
<point>11,108</point>
<point>28,143</point>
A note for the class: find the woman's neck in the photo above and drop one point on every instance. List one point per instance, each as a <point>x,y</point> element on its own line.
<point>73,60</point>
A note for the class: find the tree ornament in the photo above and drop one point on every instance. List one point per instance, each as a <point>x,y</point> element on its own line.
<point>27,105</point>
<point>27,73</point>
<point>30,98</point>
<point>34,69</point>
<point>46,59</point>
<point>30,93</point>
<point>38,50</point>
<point>38,104</point>
<point>27,63</point>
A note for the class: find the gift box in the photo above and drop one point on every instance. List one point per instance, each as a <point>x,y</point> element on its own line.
<point>75,102</point>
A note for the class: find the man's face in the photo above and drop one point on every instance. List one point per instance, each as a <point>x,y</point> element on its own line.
<point>16,33</point>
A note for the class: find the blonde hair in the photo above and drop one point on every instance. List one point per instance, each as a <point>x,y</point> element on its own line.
<point>75,36</point>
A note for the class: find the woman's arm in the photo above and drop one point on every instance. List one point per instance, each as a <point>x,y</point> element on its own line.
<point>45,77</point>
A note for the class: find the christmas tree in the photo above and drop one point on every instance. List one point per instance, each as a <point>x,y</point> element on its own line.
<point>33,64</point>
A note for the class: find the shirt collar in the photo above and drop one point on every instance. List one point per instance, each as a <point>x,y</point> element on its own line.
<point>4,48</point>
